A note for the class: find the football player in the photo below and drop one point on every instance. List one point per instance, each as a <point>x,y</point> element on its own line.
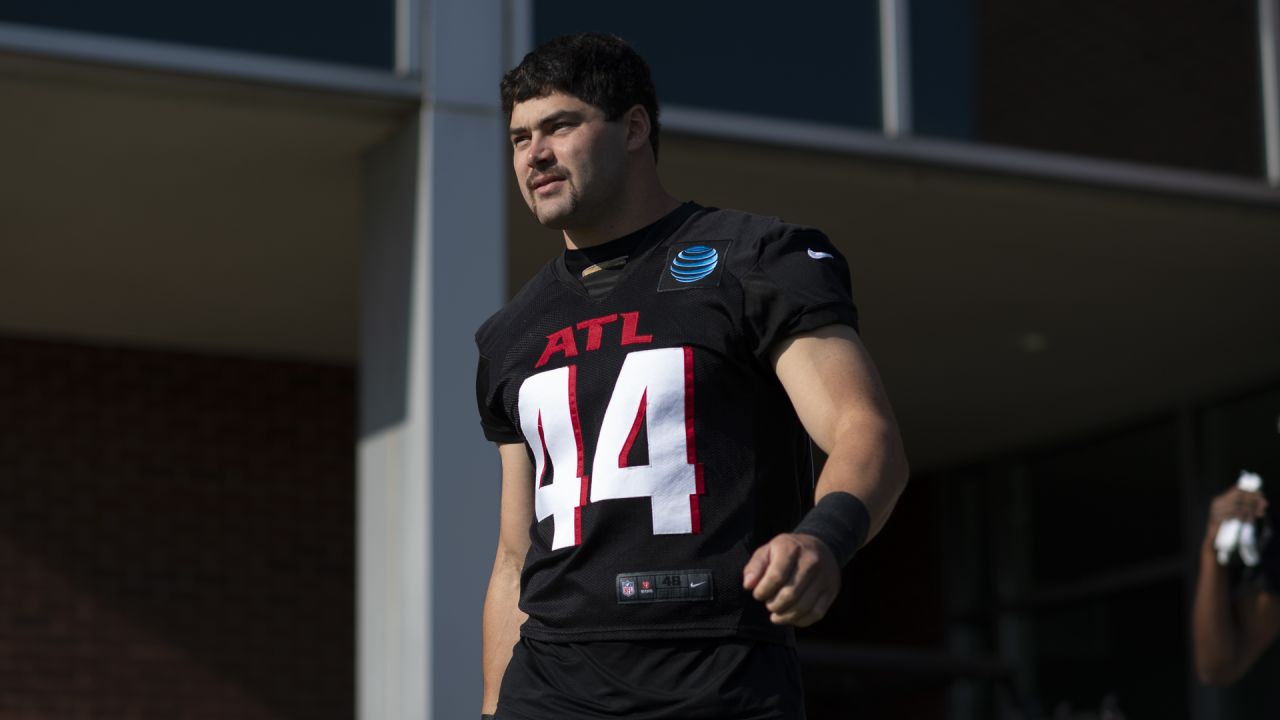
<point>653,391</point>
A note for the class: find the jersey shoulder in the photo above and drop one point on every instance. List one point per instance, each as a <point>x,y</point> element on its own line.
<point>792,278</point>
<point>494,331</point>
<point>755,237</point>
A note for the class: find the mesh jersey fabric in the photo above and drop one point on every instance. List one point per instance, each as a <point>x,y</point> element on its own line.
<point>713,460</point>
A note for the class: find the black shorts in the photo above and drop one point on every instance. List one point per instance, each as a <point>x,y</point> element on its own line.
<point>652,680</point>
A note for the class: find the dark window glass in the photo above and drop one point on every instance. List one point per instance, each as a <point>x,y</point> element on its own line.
<point>1243,436</point>
<point>1105,505</point>
<point>1127,651</point>
<point>1014,533</point>
<point>805,60</point>
<point>892,597</point>
<point>348,32</point>
<point>1169,82</point>
<point>942,68</point>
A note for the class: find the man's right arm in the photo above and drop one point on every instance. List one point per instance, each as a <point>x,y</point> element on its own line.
<point>1230,634</point>
<point>502,616</point>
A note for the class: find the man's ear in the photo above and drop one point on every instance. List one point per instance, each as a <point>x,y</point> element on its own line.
<point>638,128</point>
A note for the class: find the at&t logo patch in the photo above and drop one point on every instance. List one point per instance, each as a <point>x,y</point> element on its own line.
<point>694,265</point>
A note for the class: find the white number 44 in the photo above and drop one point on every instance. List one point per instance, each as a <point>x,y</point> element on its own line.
<point>654,388</point>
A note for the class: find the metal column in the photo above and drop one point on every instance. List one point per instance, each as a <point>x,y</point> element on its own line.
<point>434,268</point>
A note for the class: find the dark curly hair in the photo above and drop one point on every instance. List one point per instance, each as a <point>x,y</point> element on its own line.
<point>597,68</point>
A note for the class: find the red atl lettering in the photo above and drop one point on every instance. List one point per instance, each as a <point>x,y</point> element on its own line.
<point>595,329</point>
<point>563,340</point>
<point>629,337</point>
<point>559,341</point>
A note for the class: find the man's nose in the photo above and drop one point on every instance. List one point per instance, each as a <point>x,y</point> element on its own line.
<point>539,153</point>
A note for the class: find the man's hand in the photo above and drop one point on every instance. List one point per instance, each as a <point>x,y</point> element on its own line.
<point>1234,503</point>
<point>796,576</point>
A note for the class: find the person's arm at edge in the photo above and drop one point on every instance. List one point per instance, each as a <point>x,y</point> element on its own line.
<point>1229,635</point>
<point>502,615</point>
<point>839,399</point>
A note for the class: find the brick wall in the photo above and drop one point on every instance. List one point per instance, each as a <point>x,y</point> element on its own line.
<point>176,535</point>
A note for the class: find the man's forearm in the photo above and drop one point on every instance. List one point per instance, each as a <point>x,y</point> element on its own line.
<point>797,575</point>
<point>1214,628</point>
<point>867,461</point>
<point>502,620</point>
<point>837,394</point>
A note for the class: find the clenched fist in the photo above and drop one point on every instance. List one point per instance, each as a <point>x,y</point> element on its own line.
<point>796,576</point>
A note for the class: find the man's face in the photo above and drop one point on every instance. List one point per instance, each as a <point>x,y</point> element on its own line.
<point>569,160</point>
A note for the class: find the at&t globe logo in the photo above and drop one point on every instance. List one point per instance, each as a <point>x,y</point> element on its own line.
<point>694,263</point>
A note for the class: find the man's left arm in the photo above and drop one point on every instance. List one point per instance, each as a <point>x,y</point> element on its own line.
<point>839,399</point>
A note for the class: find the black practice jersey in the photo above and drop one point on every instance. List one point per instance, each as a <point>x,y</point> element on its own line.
<point>665,449</point>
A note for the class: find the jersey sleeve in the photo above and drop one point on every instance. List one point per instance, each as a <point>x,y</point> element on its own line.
<point>800,282</point>
<point>493,419</point>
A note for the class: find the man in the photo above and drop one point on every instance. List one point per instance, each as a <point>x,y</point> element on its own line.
<point>650,392</point>
<point>1232,629</point>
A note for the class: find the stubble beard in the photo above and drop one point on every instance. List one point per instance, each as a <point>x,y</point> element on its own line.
<point>577,205</point>
<point>558,211</point>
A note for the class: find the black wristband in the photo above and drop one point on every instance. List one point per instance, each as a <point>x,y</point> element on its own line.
<point>486,717</point>
<point>841,521</point>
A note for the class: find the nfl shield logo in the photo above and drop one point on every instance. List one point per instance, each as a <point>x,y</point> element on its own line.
<point>628,588</point>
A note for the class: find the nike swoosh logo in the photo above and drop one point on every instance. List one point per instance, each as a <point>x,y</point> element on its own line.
<point>816,255</point>
<point>694,585</point>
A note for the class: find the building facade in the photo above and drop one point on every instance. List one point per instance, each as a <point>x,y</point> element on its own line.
<point>243,248</point>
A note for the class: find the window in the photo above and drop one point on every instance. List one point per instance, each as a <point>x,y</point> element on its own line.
<point>346,32</point>
<point>1171,82</point>
<point>803,60</point>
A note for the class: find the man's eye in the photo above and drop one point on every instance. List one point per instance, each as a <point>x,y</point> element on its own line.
<point>519,140</point>
<point>561,126</point>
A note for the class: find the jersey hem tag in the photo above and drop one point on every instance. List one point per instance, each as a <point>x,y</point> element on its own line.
<point>648,586</point>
